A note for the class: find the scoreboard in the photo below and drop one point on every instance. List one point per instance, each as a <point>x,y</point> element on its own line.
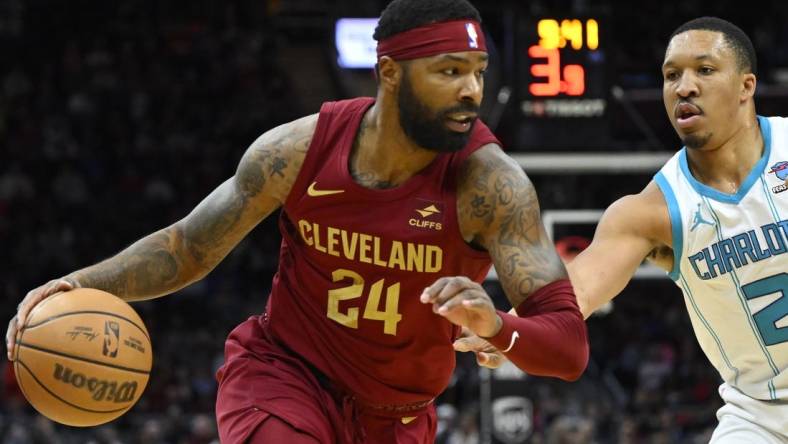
<point>561,88</point>
<point>564,71</point>
<point>561,78</point>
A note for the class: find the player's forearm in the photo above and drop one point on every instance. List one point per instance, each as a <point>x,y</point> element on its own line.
<point>547,336</point>
<point>596,285</point>
<point>154,266</point>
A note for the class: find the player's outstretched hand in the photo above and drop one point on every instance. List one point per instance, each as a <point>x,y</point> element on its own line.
<point>32,298</point>
<point>486,355</point>
<point>464,303</point>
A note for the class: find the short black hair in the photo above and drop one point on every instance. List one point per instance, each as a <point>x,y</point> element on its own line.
<point>402,15</point>
<point>733,35</point>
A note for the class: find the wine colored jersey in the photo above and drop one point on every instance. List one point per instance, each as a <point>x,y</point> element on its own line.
<point>354,262</point>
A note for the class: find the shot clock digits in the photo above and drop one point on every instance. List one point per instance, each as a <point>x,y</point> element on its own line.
<point>551,78</point>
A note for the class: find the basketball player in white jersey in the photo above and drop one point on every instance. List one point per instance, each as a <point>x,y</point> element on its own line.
<point>715,217</point>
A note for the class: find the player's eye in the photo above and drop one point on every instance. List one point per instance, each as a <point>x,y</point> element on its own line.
<point>671,75</point>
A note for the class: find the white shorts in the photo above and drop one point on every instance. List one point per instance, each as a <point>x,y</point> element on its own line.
<point>745,420</point>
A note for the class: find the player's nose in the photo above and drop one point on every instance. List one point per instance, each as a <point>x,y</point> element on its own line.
<point>687,86</point>
<point>471,90</point>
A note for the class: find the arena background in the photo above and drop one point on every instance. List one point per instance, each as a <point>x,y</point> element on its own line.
<point>117,117</point>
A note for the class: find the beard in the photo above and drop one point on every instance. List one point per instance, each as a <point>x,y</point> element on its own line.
<point>695,141</point>
<point>428,130</point>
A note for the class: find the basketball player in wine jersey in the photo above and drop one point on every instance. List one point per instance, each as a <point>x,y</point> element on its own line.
<point>394,209</point>
<point>715,218</point>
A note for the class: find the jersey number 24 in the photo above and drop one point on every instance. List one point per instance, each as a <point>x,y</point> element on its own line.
<point>390,315</point>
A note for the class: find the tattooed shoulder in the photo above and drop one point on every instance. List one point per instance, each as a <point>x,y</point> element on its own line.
<point>275,159</point>
<point>490,181</point>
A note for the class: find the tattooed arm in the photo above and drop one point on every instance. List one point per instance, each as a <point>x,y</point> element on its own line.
<point>498,211</point>
<point>187,250</point>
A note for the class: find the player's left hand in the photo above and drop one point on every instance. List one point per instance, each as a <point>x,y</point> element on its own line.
<point>464,303</point>
<point>486,355</point>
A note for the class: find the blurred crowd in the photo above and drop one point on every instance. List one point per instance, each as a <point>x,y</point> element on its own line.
<point>117,118</point>
<point>114,124</point>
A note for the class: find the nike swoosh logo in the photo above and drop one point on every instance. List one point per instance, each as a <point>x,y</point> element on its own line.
<point>515,335</point>
<point>316,193</point>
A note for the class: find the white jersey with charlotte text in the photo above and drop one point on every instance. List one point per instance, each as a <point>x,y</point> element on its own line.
<point>730,261</point>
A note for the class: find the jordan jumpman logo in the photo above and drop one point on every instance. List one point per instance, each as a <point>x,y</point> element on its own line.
<point>698,220</point>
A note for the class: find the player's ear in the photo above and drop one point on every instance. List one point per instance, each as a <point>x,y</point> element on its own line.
<point>390,73</point>
<point>749,81</point>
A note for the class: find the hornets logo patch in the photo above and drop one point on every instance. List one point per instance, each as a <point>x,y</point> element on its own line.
<point>780,170</point>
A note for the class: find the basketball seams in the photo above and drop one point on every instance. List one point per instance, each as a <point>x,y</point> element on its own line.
<point>17,375</point>
<point>33,375</point>
<point>50,402</point>
<point>80,358</point>
<point>62,315</point>
<point>18,340</point>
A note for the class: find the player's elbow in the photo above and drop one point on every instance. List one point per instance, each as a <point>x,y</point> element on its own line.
<point>568,354</point>
<point>576,355</point>
<point>576,364</point>
<point>576,348</point>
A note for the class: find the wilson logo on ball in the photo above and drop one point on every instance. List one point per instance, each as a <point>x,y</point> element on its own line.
<point>101,390</point>
<point>111,338</point>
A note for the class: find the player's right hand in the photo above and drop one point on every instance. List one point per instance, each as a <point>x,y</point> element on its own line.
<point>32,298</point>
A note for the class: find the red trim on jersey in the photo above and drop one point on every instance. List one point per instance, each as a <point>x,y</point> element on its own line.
<point>348,110</point>
<point>552,339</point>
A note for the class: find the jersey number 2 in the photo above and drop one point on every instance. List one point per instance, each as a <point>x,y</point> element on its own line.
<point>766,319</point>
<point>389,315</point>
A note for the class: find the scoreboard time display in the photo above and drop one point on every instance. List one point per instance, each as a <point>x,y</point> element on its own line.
<point>562,71</point>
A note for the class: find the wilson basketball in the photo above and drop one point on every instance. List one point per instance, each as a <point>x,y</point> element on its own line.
<point>83,357</point>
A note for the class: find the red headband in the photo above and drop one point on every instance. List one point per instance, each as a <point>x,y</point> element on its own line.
<point>433,39</point>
